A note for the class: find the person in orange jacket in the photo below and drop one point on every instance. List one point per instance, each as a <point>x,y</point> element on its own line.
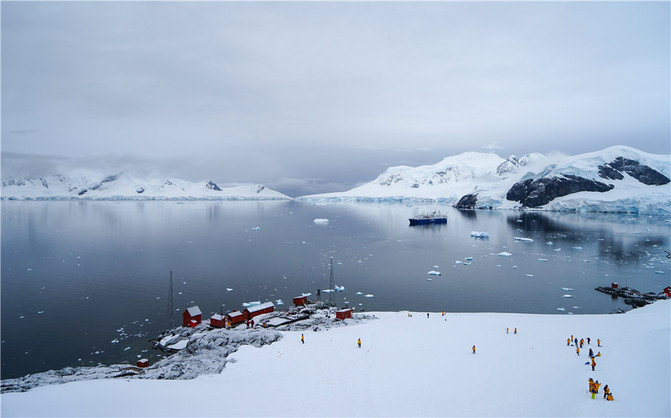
<point>302,339</point>
<point>473,349</point>
<point>577,350</point>
<point>568,342</point>
<point>582,341</point>
<point>597,385</point>
<point>609,397</point>
<point>593,364</point>
<point>359,342</point>
<point>606,391</point>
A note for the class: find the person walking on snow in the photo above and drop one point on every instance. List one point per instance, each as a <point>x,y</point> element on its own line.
<point>598,342</point>
<point>588,340</point>
<point>582,341</point>
<point>591,353</point>
<point>473,349</point>
<point>302,339</point>
<point>606,391</point>
<point>593,364</point>
<point>359,342</point>
<point>568,342</point>
<point>515,330</point>
<point>577,350</point>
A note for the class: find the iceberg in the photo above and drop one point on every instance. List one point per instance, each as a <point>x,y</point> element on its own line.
<point>522,239</point>
<point>321,221</point>
<point>433,273</point>
<point>475,234</point>
<point>504,254</point>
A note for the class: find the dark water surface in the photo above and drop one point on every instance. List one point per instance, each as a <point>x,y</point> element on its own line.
<point>87,282</point>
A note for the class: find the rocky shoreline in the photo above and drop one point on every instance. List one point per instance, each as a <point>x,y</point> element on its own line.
<point>206,350</point>
<point>632,297</point>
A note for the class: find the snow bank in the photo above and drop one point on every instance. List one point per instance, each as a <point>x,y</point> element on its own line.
<point>402,358</point>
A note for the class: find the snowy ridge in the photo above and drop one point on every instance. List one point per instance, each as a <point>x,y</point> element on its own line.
<point>486,179</point>
<point>126,187</point>
<point>403,356</point>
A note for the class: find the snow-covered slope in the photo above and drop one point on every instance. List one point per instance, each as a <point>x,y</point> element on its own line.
<point>123,187</point>
<point>408,365</point>
<point>616,179</point>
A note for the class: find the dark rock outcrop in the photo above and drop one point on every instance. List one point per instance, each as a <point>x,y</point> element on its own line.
<point>533,193</point>
<point>212,186</point>
<point>640,172</point>
<point>468,202</point>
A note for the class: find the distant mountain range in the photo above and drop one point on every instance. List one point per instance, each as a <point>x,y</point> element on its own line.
<point>125,187</point>
<point>617,179</point>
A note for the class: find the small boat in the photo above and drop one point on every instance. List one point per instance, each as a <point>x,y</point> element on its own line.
<point>428,218</point>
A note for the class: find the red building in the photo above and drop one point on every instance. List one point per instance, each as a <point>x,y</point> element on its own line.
<point>235,317</point>
<point>614,285</point>
<point>217,321</point>
<point>300,300</point>
<point>257,310</point>
<point>667,290</point>
<point>143,362</point>
<point>192,316</point>
<point>344,313</point>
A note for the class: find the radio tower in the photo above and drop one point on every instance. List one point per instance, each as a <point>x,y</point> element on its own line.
<point>171,307</point>
<point>331,284</point>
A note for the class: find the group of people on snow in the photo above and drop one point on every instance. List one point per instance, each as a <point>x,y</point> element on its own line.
<point>593,385</point>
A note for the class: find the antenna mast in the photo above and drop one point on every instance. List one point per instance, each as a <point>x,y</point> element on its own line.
<point>171,307</point>
<point>331,284</point>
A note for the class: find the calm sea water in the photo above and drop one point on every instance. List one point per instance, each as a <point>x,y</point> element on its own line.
<point>87,282</point>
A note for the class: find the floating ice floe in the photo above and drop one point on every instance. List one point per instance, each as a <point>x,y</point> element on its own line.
<point>359,293</point>
<point>434,273</point>
<point>328,291</point>
<point>522,239</point>
<point>279,302</point>
<point>228,289</point>
<point>577,248</point>
<point>476,234</point>
<point>543,260</point>
<point>321,221</point>
<point>567,296</point>
<point>576,307</point>
<point>659,272</point>
<point>529,275</point>
<point>248,304</point>
<point>436,267</point>
<point>550,243</point>
<point>429,280</point>
<point>468,258</point>
<point>339,288</point>
<point>369,295</point>
<point>306,294</point>
<point>504,254</point>
<point>515,267</point>
<point>457,262</point>
<point>567,289</point>
<point>561,309</point>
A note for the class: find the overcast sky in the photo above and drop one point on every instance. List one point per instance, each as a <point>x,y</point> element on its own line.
<point>312,97</point>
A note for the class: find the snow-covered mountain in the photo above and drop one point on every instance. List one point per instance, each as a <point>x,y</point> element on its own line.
<point>616,179</point>
<point>126,187</point>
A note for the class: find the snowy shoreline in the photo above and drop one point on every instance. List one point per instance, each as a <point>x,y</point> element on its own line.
<point>410,364</point>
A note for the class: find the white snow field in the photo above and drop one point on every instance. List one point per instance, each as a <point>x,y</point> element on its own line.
<point>407,366</point>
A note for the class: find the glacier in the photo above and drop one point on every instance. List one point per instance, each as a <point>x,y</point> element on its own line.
<point>635,182</point>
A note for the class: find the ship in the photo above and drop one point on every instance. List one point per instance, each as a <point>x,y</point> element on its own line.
<point>428,218</point>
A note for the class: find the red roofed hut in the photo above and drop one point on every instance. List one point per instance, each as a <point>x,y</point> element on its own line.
<point>344,313</point>
<point>192,316</point>
<point>143,362</point>
<point>300,300</point>
<point>257,310</point>
<point>235,317</point>
<point>217,321</point>
<point>667,290</point>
